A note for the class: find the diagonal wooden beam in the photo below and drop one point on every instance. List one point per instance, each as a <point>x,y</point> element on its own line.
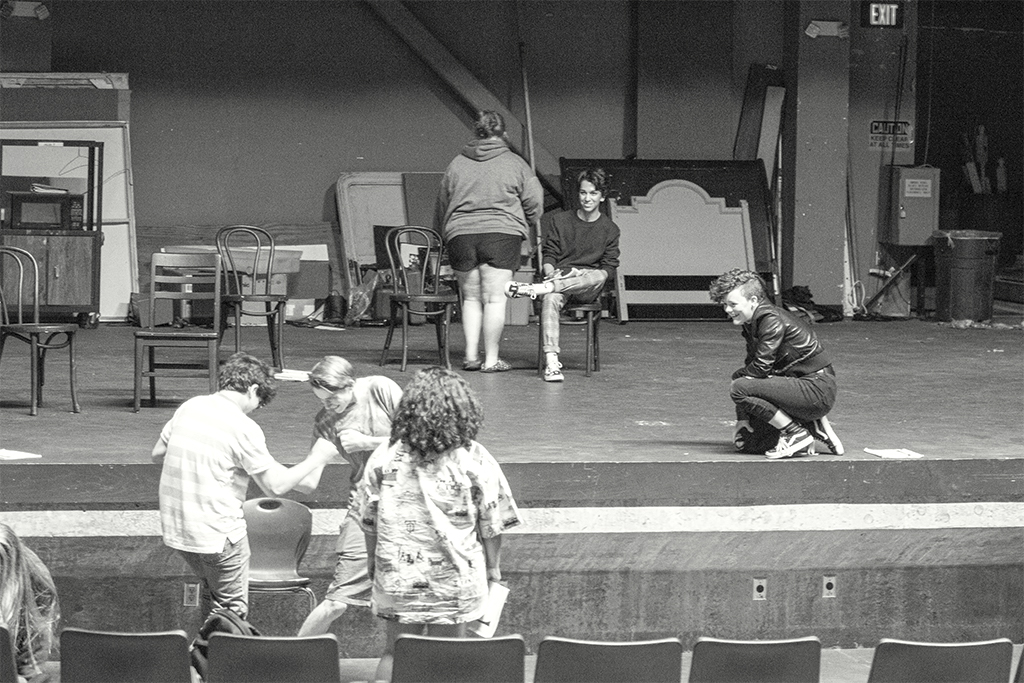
<point>464,83</point>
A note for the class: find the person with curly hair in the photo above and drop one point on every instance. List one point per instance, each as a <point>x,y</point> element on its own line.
<point>356,418</point>
<point>488,203</point>
<point>787,386</point>
<point>28,603</point>
<point>433,504</point>
<point>208,450</point>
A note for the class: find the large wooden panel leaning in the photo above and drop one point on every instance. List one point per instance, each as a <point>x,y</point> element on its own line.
<point>683,223</point>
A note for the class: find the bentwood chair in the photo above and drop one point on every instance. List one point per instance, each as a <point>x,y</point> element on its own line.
<point>248,255</point>
<point>19,318</point>
<point>795,660</point>
<point>183,279</point>
<point>273,659</point>
<point>88,656</point>
<point>279,530</point>
<point>565,660</point>
<point>898,661</point>
<point>415,255</point>
<point>429,659</point>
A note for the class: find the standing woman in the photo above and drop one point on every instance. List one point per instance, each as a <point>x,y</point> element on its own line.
<point>489,199</point>
<point>28,603</point>
<point>433,504</point>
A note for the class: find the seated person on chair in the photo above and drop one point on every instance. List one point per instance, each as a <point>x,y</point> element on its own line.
<point>28,603</point>
<point>581,251</point>
<point>787,386</point>
<point>356,418</point>
<point>208,451</point>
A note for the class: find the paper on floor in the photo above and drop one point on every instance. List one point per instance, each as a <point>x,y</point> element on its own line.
<point>893,453</point>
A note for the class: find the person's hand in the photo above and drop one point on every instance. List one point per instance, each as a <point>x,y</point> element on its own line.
<point>324,450</point>
<point>353,441</point>
<point>494,574</point>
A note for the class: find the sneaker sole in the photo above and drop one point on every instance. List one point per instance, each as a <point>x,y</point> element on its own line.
<point>792,450</point>
<point>823,432</point>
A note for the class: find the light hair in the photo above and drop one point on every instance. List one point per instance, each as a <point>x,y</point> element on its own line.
<point>28,600</point>
<point>489,124</point>
<point>335,374</point>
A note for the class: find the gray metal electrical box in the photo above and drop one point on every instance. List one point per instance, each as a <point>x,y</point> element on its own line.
<point>914,206</point>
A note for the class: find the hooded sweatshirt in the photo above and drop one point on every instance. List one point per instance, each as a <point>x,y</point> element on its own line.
<point>488,188</point>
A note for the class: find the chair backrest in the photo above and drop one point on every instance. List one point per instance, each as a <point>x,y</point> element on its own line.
<point>987,661</point>
<point>184,277</point>
<point>794,660</point>
<point>278,659</point>
<point>8,661</point>
<point>427,659</point>
<point>279,530</point>
<point>565,660</point>
<point>416,255</point>
<point>88,656</point>
<point>19,285</point>
<point>246,250</point>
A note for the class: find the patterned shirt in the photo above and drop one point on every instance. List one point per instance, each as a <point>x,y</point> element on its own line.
<point>429,519</point>
<point>210,449</point>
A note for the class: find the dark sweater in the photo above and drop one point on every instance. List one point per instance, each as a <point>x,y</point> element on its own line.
<point>569,242</point>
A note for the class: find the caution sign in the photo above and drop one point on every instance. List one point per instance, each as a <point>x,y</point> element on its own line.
<point>886,133</point>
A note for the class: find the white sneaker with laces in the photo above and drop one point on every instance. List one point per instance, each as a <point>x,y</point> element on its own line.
<point>553,373</point>
<point>792,440</point>
<point>823,432</point>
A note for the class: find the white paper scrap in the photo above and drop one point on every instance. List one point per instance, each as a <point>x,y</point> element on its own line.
<point>893,453</point>
<point>485,626</point>
<point>292,375</point>
<point>6,454</point>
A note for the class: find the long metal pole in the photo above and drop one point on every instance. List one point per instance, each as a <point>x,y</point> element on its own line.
<point>529,147</point>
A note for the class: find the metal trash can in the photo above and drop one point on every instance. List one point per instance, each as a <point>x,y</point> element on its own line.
<point>965,269</point>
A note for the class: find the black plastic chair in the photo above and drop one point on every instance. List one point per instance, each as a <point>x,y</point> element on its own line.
<point>88,656</point>
<point>279,530</point>
<point>429,659</point>
<point>566,660</point>
<point>16,267</point>
<point>898,661</point>
<point>273,659</point>
<point>183,279</point>
<point>793,660</point>
<point>248,254</point>
<point>416,256</point>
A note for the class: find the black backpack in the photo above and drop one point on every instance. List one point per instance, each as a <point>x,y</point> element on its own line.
<point>223,621</point>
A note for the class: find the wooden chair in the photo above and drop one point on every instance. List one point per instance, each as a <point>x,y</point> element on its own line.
<point>188,279</point>
<point>795,660</point>
<point>428,659</point>
<point>16,267</point>
<point>415,255</point>
<point>273,659</point>
<point>248,256</point>
<point>564,660</point>
<point>898,661</point>
<point>88,656</point>
<point>279,530</point>
<point>8,660</point>
<point>591,313</point>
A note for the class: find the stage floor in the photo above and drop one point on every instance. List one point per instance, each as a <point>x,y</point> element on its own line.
<point>661,394</point>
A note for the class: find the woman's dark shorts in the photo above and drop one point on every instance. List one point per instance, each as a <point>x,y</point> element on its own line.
<point>498,250</point>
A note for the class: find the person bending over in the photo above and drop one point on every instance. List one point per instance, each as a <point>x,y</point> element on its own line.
<point>433,504</point>
<point>788,385</point>
<point>581,251</point>
<point>356,418</point>
<point>208,451</point>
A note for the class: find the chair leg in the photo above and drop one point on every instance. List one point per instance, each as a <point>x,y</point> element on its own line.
<point>238,326</point>
<point>34,374</point>
<point>447,337</point>
<point>597,342</point>
<point>73,371</point>
<point>152,378</point>
<point>387,339</point>
<point>275,327</point>
<point>139,353</point>
<point>405,335</point>
<point>211,349</point>
<point>540,348</point>
<point>311,595</point>
<point>590,342</point>
<point>41,377</point>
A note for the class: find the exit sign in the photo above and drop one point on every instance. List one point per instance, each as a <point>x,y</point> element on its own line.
<point>881,14</point>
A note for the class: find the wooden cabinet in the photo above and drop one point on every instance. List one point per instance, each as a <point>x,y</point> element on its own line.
<point>69,267</point>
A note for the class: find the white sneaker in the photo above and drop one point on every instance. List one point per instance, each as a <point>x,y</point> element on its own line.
<point>791,442</point>
<point>822,430</point>
<point>517,290</point>
<point>553,373</point>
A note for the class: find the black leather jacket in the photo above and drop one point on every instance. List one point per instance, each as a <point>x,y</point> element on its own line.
<point>779,343</point>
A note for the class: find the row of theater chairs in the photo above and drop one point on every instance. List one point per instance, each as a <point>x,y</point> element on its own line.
<point>104,657</point>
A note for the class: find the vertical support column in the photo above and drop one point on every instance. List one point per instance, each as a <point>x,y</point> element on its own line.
<point>816,148</point>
